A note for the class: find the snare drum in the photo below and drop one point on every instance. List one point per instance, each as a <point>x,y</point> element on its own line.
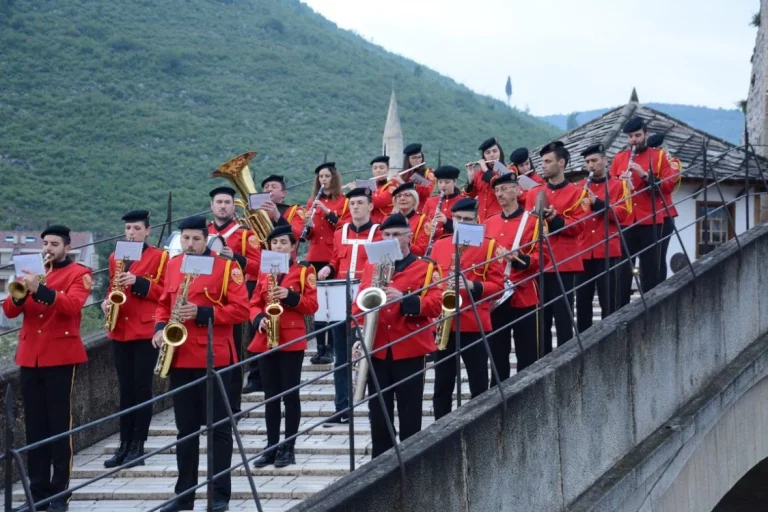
<point>173,244</point>
<point>332,306</point>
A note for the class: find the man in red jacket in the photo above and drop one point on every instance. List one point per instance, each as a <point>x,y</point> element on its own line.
<point>484,282</point>
<point>594,237</point>
<point>50,347</point>
<point>222,299</point>
<point>650,178</point>
<point>134,356</point>
<point>564,223</point>
<point>280,213</point>
<point>516,232</point>
<point>401,341</point>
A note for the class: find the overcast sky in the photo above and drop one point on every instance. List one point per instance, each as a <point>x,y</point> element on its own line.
<point>567,55</point>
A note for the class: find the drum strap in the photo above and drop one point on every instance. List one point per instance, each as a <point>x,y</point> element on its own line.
<point>355,244</point>
<point>231,231</point>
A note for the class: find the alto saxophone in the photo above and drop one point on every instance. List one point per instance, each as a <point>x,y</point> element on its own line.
<point>174,333</point>
<point>273,312</point>
<point>117,296</point>
<point>449,304</point>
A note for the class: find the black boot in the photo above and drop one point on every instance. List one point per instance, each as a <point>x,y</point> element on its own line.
<point>266,458</point>
<point>119,456</point>
<point>135,451</point>
<point>285,457</point>
<point>315,359</point>
<point>327,356</point>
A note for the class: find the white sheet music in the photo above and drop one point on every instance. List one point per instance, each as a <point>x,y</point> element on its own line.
<point>30,262</point>
<point>274,262</point>
<point>500,168</point>
<point>419,179</point>
<point>527,183</point>
<point>468,234</point>
<point>383,251</point>
<point>369,184</point>
<point>256,201</point>
<point>196,264</point>
<point>128,250</point>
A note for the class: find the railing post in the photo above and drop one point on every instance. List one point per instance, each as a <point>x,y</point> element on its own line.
<point>8,448</point>
<point>168,219</point>
<point>746,174</point>
<point>457,326</point>
<point>209,415</point>
<point>348,371</point>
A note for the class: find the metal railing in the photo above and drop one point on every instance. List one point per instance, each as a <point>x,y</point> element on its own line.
<point>216,388</point>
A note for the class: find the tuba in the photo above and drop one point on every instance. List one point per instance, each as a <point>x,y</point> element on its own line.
<point>273,312</point>
<point>116,297</point>
<point>368,299</point>
<point>449,304</point>
<point>18,289</point>
<point>236,171</point>
<point>174,333</point>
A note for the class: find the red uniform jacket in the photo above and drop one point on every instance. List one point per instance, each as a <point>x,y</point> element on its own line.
<point>665,179</point>
<point>346,239</point>
<point>677,168</point>
<point>445,207</point>
<point>382,201</point>
<point>420,230</point>
<point>488,279</point>
<point>50,331</point>
<point>481,189</point>
<point>302,300</point>
<point>320,236</point>
<point>221,296</point>
<point>504,229</point>
<point>566,227</point>
<point>402,319</point>
<point>244,243</point>
<point>593,236</point>
<point>524,194</point>
<point>136,318</point>
<point>425,190</point>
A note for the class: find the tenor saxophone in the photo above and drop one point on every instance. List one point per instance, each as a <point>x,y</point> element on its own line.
<point>116,297</point>
<point>273,312</point>
<point>174,333</point>
<point>449,305</point>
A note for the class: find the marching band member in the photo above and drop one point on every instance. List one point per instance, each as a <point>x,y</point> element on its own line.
<point>644,228</point>
<point>49,349</point>
<point>479,183</point>
<point>413,156</point>
<point>296,292</point>
<point>446,176</point>
<point>593,238</point>
<point>244,246</point>
<point>406,201</point>
<point>349,258</point>
<point>656,141</point>
<point>483,281</point>
<point>563,216</point>
<point>521,165</point>
<point>222,298</point>
<point>279,212</point>
<point>382,196</point>
<point>135,357</point>
<point>330,208</point>
<point>521,266</point>
<point>402,318</point>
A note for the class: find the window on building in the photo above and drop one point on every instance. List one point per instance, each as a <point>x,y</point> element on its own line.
<point>29,239</point>
<point>716,230</point>
<point>10,238</point>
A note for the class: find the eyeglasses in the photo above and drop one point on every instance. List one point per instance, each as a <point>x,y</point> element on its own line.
<point>459,218</point>
<point>385,234</point>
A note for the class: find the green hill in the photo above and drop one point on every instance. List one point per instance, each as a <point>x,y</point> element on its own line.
<point>106,106</point>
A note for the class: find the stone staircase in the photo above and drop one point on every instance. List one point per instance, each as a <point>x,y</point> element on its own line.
<point>322,455</point>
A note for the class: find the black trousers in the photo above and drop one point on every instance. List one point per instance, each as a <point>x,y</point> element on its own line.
<point>586,282</point>
<point>47,396</point>
<point>281,371</point>
<point>135,364</point>
<point>241,334</point>
<point>253,367</point>
<point>640,242</point>
<point>526,333</point>
<point>667,232</point>
<point>558,309</point>
<point>409,396</point>
<point>475,361</point>
<point>189,410</point>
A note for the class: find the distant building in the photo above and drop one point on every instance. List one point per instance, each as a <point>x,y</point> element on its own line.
<point>757,102</point>
<point>29,242</point>
<point>725,161</point>
<point>392,141</point>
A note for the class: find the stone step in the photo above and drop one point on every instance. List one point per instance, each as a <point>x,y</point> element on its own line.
<point>142,505</point>
<point>328,394</point>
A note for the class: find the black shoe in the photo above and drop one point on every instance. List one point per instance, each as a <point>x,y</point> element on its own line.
<point>326,357</point>
<point>341,419</point>
<point>265,459</point>
<point>135,451</point>
<point>252,387</point>
<point>220,506</point>
<point>176,505</point>
<point>285,456</point>
<point>58,506</point>
<point>119,456</point>
<point>315,359</point>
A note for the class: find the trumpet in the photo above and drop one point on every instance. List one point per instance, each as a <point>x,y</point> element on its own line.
<point>116,296</point>
<point>631,161</point>
<point>18,290</point>
<point>174,333</point>
<point>273,312</point>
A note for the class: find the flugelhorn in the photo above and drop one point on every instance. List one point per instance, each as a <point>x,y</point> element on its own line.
<point>18,289</point>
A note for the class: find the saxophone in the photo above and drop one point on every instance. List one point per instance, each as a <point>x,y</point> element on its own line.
<point>273,312</point>
<point>116,296</point>
<point>174,333</point>
<point>449,304</point>
<point>368,299</point>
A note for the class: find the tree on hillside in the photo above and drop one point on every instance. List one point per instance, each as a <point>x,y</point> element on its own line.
<point>572,122</point>
<point>508,89</point>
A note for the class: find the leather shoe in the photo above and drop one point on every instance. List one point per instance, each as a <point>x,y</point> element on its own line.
<point>265,459</point>
<point>176,505</point>
<point>119,456</point>
<point>220,506</point>
<point>58,506</point>
<point>285,456</point>
<point>252,387</point>
<point>135,451</point>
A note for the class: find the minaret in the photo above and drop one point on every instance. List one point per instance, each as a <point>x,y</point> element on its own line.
<point>392,142</point>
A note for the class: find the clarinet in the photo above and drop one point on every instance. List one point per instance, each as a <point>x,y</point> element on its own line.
<point>588,180</point>
<point>305,231</point>
<point>434,226</point>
